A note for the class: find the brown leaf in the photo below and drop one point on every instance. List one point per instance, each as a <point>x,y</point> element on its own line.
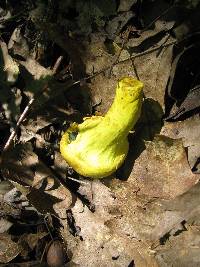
<point>105,245</point>
<point>30,128</point>
<point>36,181</point>
<point>18,164</point>
<point>153,71</point>
<point>189,131</point>
<point>4,225</point>
<point>10,65</point>
<point>162,169</point>
<point>182,89</point>
<point>8,249</point>
<point>6,209</point>
<point>190,103</point>
<point>18,43</point>
<point>125,5</point>
<point>181,250</point>
<point>32,239</point>
<point>115,25</point>
<point>183,208</point>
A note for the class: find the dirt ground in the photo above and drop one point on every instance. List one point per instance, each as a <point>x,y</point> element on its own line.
<point>60,61</point>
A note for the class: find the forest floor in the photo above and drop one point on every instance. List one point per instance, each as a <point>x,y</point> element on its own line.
<point>60,61</point>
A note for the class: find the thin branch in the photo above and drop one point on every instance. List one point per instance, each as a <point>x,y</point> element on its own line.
<point>148,51</point>
<point>76,180</point>
<point>125,40</point>
<point>156,19</point>
<point>127,59</point>
<point>57,64</point>
<point>21,118</point>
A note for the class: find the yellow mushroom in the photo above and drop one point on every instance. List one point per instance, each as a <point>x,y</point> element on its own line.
<point>98,146</point>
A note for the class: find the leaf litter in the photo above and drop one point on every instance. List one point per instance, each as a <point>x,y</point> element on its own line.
<point>147,213</point>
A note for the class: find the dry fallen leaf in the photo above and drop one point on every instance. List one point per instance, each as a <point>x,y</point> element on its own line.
<point>36,181</point>
<point>162,169</point>
<point>181,250</point>
<point>189,131</point>
<point>181,210</point>
<point>30,128</point>
<point>4,225</point>
<point>32,239</point>
<point>112,222</point>
<point>106,245</point>
<point>11,67</point>
<point>125,5</point>
<point>18,43</point>
<point>190,104</point>
<point>8,249</point>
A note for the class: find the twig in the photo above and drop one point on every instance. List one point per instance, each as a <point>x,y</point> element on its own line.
<point>127,59</point>
<point>148,51</point>
<point>47,225</point>
<point>57,64</point>
<point>76,180</point>
<point>157,18</point>
<point>135,69</point>
<point>21,118</point>
<point>125,40</point>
